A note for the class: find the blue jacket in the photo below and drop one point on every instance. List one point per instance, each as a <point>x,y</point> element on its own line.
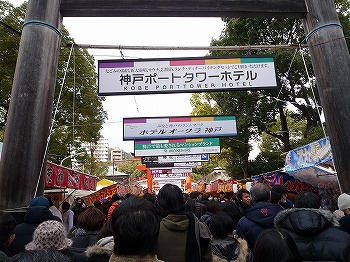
<point>257,218</point>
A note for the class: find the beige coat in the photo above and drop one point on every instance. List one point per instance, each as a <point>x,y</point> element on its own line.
<point>148,258</point>
<point>243,253</point>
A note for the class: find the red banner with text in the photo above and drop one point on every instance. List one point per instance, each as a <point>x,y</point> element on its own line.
<point>58,176</point>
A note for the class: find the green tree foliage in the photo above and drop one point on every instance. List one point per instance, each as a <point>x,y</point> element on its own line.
<point>343,9</point>
<point>93,167</point>
<point>270,116</point>
<point>11,20</point>
<point>129,167</point>
<point>80,112</point>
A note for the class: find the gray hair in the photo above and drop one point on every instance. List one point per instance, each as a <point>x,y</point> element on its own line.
<point>260,193</point>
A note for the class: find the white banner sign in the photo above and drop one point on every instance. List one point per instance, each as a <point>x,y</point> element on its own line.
<point>170,170</point>
<point>181,75</point>
<point>158,128</point>
<point>170,176</point>
<point>184,158</point>
<point>191,147</point>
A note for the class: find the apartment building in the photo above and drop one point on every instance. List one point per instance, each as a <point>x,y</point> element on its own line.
<point>99,150</point>
<point>118,155</point>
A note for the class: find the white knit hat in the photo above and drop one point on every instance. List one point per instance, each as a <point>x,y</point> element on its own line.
<point>344,201</point>
<point>49,235</point>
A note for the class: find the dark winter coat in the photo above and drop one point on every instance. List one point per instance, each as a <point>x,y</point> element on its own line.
<point>314,232</point>
<point>206,217</point>
<point>257,218</point>
<point>81,241</point>
<point>172,241</point>
<point>222,249</point>
<point>24,231</point>
<point>77,209</point>
<point>101,251</point>
<point>345,223</point>
<point>3,257</point>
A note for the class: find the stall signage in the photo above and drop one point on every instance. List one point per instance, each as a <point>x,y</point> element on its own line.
<point>59,176</point>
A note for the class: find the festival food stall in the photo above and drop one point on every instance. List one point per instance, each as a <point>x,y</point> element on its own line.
<point>313,164</point>
<point>294,186</point>
<point>109,191</point>
<point>59,179</point>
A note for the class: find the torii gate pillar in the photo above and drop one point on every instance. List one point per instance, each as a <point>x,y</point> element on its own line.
<point>29,117</point>
<point>331,63</point>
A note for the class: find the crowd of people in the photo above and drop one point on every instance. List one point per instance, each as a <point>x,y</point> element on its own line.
<point>260,225</point>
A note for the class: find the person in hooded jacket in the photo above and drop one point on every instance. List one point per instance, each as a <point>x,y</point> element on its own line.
<point>103,249</point>
<point>77,209</point>
<point>37,213</point>
<point>314,230</point>
<point>115,203</point>
<point>260,216</point>
<point>211,208</point>
<point>135,225</point>
<point>90,221</point>
<point>344,207</point>
<point>7,228</point>
<point>226,247</point>
<point>182,237</point>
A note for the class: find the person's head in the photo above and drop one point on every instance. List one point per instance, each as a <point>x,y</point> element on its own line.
<point>194,195</point>
<point>279,192</point>
<point>39,201</point>
<point>260,192</point>
<point>222,194</point>
<point>49,234</point>
<point>275,245</point>
<point>7,228</point>
<point>190,205</point>
<point>115,197</point>
<point>97,204</point>
<point>135,224</point>
<point>50,201</point>
<point>243,195</point>
<point>344,203</point>
<point>307,199</point>
<point>91,219</point>
<point>170,198</point>
<point>212,206</point>
<point>127,195</point>
<point>65,206</point>
<point>79,202</point>
<point>232,210</point>
<point>221,225</point>
<point>205,197</point>
<point>149,197</point>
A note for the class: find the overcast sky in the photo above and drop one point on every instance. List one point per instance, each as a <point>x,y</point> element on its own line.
<point>142,32</point>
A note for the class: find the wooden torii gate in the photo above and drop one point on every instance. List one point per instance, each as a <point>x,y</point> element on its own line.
<point>29,117</point>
